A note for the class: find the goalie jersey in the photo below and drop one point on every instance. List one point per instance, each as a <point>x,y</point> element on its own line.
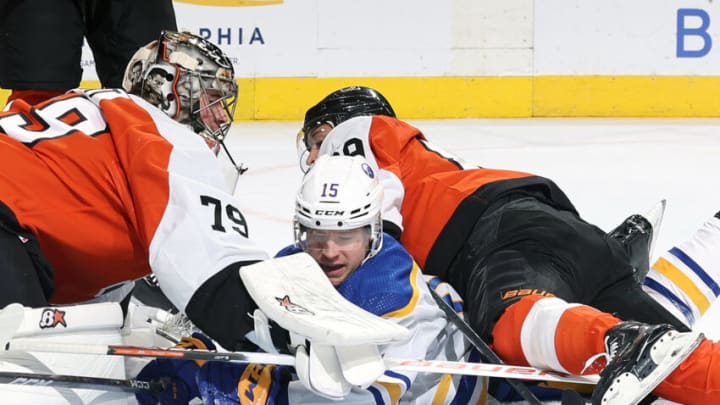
<point>391,285</point>
<point>114,189</point>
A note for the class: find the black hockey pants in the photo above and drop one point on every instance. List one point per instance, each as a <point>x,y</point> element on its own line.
<point>26,276</point>
<point>526,247</point>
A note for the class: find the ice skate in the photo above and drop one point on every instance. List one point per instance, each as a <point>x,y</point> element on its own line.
<point>641,356</point>
<point>638,234</point>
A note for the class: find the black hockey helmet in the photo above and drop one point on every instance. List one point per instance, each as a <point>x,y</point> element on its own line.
<point>343,104</point>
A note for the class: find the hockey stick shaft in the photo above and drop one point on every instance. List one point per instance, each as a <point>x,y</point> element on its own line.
<point>78,382</point>
<point>485,370</point>
<point>485,351</point>
<point>423,366</point>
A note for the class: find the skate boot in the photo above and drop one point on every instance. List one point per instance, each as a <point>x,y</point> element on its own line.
<point>640,357</point>
<point>637,234</point>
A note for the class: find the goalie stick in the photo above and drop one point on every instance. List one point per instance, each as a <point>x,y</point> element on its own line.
<point>155,352</point>
<point>423,366</point>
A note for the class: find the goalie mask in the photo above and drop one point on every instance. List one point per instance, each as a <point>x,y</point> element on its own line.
<point>188,78</point>
<point>340,106</point>
<point>340,193</point>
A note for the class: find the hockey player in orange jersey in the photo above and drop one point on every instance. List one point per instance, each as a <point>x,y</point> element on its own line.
<point>516,249</point>
<point>110,188</point>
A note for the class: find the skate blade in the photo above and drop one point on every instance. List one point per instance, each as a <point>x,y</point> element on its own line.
<point>684,344</point>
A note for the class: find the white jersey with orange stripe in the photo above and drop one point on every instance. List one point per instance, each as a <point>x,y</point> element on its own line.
<point>132,192</point>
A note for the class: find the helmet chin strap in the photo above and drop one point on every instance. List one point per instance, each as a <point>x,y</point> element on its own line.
<point>230,169</point>
<point>241,168</point>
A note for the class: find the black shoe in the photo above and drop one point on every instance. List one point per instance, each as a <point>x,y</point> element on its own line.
<point>641,356</point>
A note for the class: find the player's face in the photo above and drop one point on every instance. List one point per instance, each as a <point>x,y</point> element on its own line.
<point>206,102</point>
<point>212,110</point>
<point>315,138</point>
<point>338,253</point>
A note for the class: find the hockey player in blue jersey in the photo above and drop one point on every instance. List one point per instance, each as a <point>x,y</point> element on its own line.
<point>337,221</point>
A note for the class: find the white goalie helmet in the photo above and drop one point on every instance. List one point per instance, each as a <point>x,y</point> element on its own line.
<point>340,193</point>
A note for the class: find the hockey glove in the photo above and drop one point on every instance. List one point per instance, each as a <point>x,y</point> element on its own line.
<point>256,384</point>
<point>178,376</point>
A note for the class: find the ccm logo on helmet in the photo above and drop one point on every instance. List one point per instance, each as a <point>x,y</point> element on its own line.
<point>329,213</point>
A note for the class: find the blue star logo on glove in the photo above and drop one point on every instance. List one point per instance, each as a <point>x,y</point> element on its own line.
<point>292,307</point>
